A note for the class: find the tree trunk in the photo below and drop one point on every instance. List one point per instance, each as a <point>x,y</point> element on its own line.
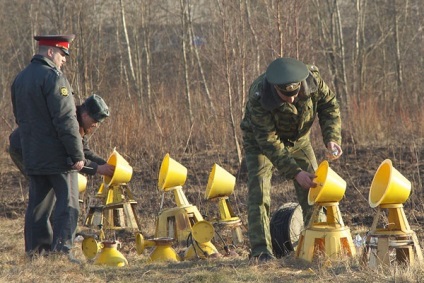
<point>184,33</point>
<point>127,41</point>
<point>228,62</point>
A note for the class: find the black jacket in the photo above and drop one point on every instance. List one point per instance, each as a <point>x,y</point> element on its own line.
<point>44,109</point>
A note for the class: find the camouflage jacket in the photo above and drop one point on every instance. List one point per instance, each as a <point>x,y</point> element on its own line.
<point>274,131</point>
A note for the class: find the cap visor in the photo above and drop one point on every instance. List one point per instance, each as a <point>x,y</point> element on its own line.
<point>66,51</point>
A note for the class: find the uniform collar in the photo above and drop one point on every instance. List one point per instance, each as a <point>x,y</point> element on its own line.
<point>44,60</point>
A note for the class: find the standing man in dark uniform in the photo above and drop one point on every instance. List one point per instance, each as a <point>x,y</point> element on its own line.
<point>282,106</point>
<point>52,151</point>
<point>89,115</point>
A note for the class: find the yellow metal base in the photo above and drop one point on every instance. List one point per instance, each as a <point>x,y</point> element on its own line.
<point>201,250</point>
<point>164,253</point>
<point>331,243</point>
<point>177,222</point>
<point>163,250</point>
<point>120,216</point>
<point>117,212</point>
<point>394,242</point>
<point>330,239</point>
<point>234,225</point>
<point>109,255</point>
<point>227,220</point>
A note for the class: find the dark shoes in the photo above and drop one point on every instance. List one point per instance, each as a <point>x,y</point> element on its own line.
<point>261,259</point>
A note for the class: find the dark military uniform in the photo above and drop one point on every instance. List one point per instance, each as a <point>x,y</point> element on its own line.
<point>92,161</point>
<point>278,136</point>
<point>44,109</point>
<point>15,151</point>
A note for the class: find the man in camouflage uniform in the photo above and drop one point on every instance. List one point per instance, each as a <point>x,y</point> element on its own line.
<point>52,151</point>
<point>281,109</point>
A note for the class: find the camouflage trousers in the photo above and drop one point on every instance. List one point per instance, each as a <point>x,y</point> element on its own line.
<point>260,171</point>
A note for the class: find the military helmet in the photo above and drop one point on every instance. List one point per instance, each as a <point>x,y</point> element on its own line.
<point>96,107</point>
<point>286,74</point>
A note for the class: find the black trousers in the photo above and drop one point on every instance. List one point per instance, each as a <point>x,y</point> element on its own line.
<point>58,191</point>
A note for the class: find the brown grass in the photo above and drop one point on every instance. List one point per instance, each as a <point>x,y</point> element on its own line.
<point>15,267</point>
<point>373,131</point>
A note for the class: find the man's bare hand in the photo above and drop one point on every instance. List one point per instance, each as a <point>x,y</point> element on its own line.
<point>334,151</point>
<point>106,170</point>
<point>78,165</point>
<point>305,179</point>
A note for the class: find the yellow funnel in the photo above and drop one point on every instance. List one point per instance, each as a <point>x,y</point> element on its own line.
<point>388,186</point>
<point>171,174</point>
<point>82,183</point>
<point>330,186</point>
<point>221,183</point>
<point>123,171</point>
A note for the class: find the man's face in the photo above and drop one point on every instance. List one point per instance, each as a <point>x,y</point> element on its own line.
<point>88,123</point>
<point>288,99</point>
<point>57,56</point>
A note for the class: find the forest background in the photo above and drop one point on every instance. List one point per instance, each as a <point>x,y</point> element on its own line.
<point>176,75</point>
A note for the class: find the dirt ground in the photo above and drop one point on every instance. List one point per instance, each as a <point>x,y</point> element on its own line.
<point>357,167</point>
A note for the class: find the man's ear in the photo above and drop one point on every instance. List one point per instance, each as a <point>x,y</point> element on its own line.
<point>50,52</point>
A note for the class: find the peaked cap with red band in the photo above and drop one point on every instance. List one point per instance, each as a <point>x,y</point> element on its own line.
<point>59,41</point>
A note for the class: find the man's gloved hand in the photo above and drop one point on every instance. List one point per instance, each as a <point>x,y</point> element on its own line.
<point>305,179</point>
<point>334,151</point>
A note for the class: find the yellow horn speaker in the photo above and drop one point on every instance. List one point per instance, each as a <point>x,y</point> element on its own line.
<point>171,174</point>
<point>82,183</point>
<point>123,170</point>
<point>330,186</point>
<point>388,186</point>
<point>221,183</point>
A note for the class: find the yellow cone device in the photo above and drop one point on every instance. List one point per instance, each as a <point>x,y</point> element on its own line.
<point>220,183</point>
<point>203,231</point>
<point>103,253</point>
<point>82,183</point>
<point>171,174</point>
<point>163,250</point>
<point>123,170</point>
<point>330,186</point>
<point>388,186</point>
<point>109,255</point>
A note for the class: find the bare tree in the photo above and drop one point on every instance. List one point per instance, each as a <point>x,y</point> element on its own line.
<point>199,62</point>
<point>127,41</point>
<point>227,55</point>
<point>399,76</point>
<point>184,35</point>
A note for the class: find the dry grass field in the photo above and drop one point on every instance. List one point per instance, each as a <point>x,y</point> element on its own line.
<point>357,167</point>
